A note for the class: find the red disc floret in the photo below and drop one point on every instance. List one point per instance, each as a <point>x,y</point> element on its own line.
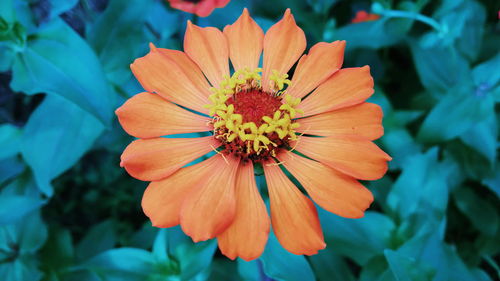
<point>254,104</point>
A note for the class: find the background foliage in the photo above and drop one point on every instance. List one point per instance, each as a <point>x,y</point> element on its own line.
<point>68,212</point>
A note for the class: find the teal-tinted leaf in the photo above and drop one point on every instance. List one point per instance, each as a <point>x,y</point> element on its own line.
<point>58,7</point>
<point>280,264</point>
<point>99,238</point>
<point>439,67</point>
<point>9,140</point>
<point>483,137</point>
<point>486,75</point>
<point>14,207</point>
<point>249,270</point>
<point>406,268</point>
<point>10,168</point>
<point>118,36</point>
<point>7,12</point>
<point>421,187</point>
<point>57,134</point>
<point>371,34</point>
<point>481,213</point>
<point>456,113</point>
<point>195,258</point>
<point>122,264</point>
<point>160,246</point>
<point>329,266</point>
<point>58,253</point>
<point>24,268</point>
<point>24,237</point>
<point>465,25</point>
<point>59,62</point>
<point>358,239</point>
<point>493,182</point>
<point>321,6</point>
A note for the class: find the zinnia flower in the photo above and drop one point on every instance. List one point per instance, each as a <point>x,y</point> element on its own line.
<point>255,119</point>
<point>362,16</point>
<point>202,8</point>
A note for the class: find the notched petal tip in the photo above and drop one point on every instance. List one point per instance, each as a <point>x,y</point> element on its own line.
<point>152,47</point>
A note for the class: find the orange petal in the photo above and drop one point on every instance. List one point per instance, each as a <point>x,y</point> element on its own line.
<point>163,199</point>
<point>156,159</point>
<point>350,154</point>
<point>347,87</point>
<point>207,46</point>
<point>294,217</point>
<point>332,190</point>
<point>172,75</point>
<point>210,207</point>
<point>245,39</point>
<point>323,60</point>
<point>284,42</point>
<point>147,115</point>
<point>246,237</point>
<point>201,9</point>
<point>363,119</point>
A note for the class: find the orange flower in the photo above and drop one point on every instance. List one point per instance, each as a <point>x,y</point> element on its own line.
<point>202,8</point>
<point>254,120</point>
<point>362,16</point>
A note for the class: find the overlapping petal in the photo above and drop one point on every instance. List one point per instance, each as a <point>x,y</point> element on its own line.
<point>350,154</point>
<point>147,115</point>
<point>172,75</point>
<point>347,87</point>
<point>245,39</point>
<point>284,43</point>
<point>162,200</point>
<point>210,207</point>
<point>294,217</point>
<point>364,119</point>
<point>323,60</point>
<point>156,159</point>
<point>202,9</point>
<point>207,46</point>
<point>332,190</point>
<point>246,237</point>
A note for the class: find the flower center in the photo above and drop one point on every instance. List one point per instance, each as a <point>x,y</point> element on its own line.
<point>253,124</point>
<point>253,104</point>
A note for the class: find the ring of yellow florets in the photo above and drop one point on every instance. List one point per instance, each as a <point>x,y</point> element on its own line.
<point>258,139</point>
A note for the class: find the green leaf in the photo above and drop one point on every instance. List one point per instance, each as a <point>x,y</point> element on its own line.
<point>280,264</point>
<point>456,113</point>
<point>480,212</point>
<point>249,270</point>
<point>59,62</point>
<point>483,137</point>
<point>493,182</point>
<point>122,264</point>
<point>52,143</point>
<point>358,239</point>
<point>25,236</point>
<point>118,36</point>
<point>406,268</point>
<point>329,266</point>
<point>486,74</point>
<point>439,67</point>
<point>58,253</point>
<point>195,258</point>
<point>422,186</point>
<point>101,237</point>
<point>9,140</point>
<point>60,6</point>
<point>14,207</point>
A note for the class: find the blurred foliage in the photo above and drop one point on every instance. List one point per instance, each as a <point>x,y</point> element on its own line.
<point>69,212</point>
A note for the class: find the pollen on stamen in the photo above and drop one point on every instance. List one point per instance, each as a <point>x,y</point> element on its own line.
<point>253,124</point>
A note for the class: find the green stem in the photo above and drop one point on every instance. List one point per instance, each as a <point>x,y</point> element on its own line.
<point>410,15</point>
<point>492,263</point>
